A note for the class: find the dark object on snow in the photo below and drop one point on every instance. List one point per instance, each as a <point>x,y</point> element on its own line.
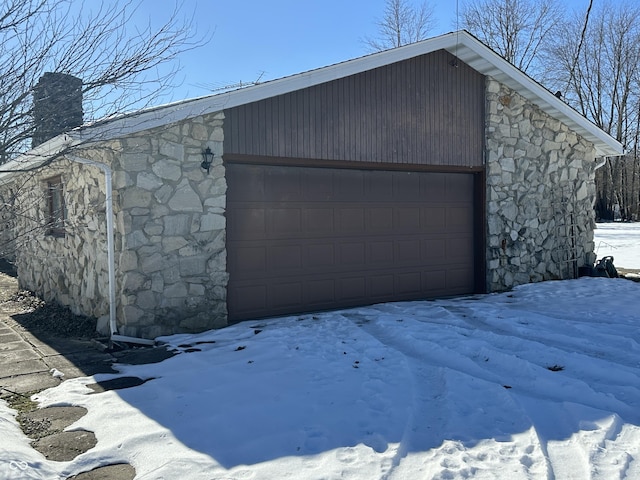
<point>605,268</point>
<point>587,271</point>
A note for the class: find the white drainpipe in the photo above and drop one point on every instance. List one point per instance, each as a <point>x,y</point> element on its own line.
<point>108,185</point>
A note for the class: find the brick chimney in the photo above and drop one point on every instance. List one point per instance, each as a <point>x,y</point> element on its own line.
<point>57,106</point>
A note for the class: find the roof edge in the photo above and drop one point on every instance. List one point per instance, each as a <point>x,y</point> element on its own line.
<point>460,44</point>
<point>546,100</point>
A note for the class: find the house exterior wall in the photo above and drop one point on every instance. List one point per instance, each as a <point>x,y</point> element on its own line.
<point>7,230</point>
<point>170,217</point>
<point>540,191</point>
<point>70,269</point>
<point>170,256</point>
<point>170,228</point>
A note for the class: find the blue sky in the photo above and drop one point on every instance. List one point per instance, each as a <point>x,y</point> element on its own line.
<point>270,39</point>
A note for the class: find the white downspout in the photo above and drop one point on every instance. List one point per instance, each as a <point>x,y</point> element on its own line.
<point>601,162</point>
<point>108,185</point>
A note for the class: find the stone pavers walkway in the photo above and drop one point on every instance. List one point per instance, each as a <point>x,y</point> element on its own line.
<point>33,361</point>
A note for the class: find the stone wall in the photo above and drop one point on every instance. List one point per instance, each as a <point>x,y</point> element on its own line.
<point>7,220</point>
<point>69,269</point>
<point>170,255</point>
<point>540,192</point>
<point>170,219</point>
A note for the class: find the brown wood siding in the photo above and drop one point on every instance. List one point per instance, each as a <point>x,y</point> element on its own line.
<point>421,111</point>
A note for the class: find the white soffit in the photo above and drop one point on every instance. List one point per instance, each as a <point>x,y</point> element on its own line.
<point>484,60</point>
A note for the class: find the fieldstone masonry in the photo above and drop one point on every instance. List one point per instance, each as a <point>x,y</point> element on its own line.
<point>170,224</point>
<point>172,262</point>
<point>7,222</point>
<point>169,233</point>
<point>540,191</point>
<point>71,270</point>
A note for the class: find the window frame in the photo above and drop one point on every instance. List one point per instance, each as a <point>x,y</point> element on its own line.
<point>55,211</point>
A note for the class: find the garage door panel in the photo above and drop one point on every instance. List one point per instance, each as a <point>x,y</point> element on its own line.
<point>285,295</point>
<point>318,221</point>
<point>380,187</point>
<point>318,186</point>
<point>409,283</point>
<point>352,253</point>
<point>248,301</point>
<point>408,250</point>
<point>284,222</point>
<point>333,238</point>
<point>380,219</point>
<point>282,184</point>
<point>460,250</point>
<point>432,188</point>
<point>381,253</point>
<point>351,219</point>
<point>407,219</point>
<point>319,292</point>
<point>320,256</point>
<point>350,185</point>
<point>251,182</point>
<point>406,186</point>
<point>250,260</point>
<point>434,251</point>
<point>285,257</point>
<point>458,218</point>
<point>351,289</point>
<point>457,185</point>
<point>435,281</point>
<point>382,286</point>
<point>458,280</point>
<point>247,223</point>
<point>434,218</point>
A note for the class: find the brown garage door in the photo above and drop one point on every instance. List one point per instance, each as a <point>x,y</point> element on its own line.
<point>302,239</point>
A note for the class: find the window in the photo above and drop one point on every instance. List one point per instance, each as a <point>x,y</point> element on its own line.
<point>55,207</point>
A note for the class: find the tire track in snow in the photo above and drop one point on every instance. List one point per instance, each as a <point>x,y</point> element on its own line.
<point>433,422</point>
<point>514,354</point>
<point>517,353</point>
<point>586,337</point>
<point>424,425</point>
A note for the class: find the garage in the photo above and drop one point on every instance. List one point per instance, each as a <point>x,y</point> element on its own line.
<point>360,189</point>
<point>420,172</point>
<point>303,239</point>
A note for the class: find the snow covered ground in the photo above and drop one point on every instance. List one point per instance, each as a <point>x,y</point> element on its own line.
<point>621,240</point>
<point>539,383</point>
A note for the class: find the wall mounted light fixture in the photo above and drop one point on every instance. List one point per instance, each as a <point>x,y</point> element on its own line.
<point>207,159</point>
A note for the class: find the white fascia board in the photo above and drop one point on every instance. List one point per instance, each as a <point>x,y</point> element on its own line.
<point>460,44</point>
<point>215,103</point>
<point>36,156</point>
<point>487,62</point>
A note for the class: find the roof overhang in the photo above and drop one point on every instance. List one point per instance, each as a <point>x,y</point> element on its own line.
<point>461,45</point>
<point>484,60</point>
<point>36,157</point>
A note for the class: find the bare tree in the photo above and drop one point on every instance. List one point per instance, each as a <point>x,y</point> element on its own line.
<point>516,29</point>
<point>401,24</point>
<point>599,72</point>
<point>122,65</point>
